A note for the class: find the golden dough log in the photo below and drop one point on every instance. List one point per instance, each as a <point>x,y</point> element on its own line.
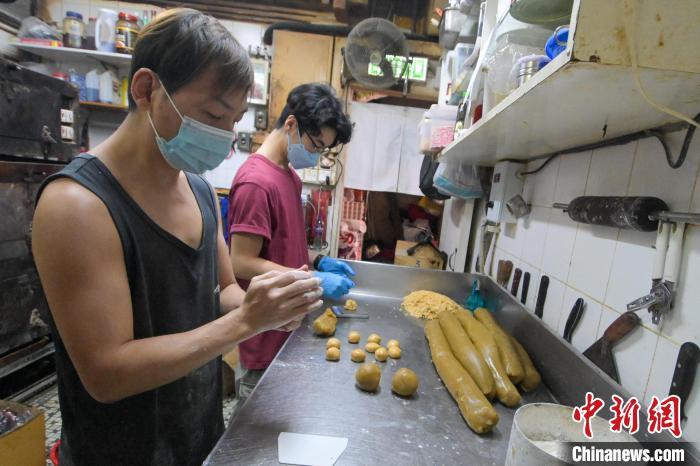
<point>484,342</point>
<point>532,378</point>
<point>509,356</point>
<point>324,325</point>
<point>475,408</point>
<point>465,352</point>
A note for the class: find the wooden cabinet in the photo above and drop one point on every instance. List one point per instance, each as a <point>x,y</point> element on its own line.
<point>297,58</point>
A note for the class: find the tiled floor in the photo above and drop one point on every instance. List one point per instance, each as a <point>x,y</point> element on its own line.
<point>48,401</point>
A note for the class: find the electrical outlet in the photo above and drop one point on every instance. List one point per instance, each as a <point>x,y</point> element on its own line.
<point>67,133</point>
<point>244,141</point>
<point>261,119</point>
<point>66,116</point>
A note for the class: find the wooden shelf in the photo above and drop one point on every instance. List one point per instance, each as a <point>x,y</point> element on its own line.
<point>588,93</point>
<point>103,106</point>
<point>62,54</point>
<point>416,93</point>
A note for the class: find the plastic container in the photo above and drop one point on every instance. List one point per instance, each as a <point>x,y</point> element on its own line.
<point>127,31</point>
<point>124,91</point>
<point>436,130</point>
<point>513,40</point>
<point>558,42</point>
<point>78,80</point>
<point>92,86</point>
<point>73,30</point>
<point>105,30</point>
<point>107,87</point>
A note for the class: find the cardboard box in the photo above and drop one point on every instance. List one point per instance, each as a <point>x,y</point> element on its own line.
<point>425,257</point>
<point>24,446</point>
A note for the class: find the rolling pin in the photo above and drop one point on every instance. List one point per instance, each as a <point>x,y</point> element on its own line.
<point>627,212</point>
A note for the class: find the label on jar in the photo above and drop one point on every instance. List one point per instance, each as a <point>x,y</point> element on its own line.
<point>125,38</point>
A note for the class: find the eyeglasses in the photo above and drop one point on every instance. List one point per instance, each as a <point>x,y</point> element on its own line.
<point>325,152</point>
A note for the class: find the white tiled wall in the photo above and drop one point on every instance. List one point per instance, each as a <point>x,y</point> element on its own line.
<point>608,267</point>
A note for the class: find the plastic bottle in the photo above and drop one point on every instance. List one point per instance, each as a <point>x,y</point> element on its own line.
<point>105,29</point>
<point>318,234</point>
<point>107,87</point>
<point>92,84</point>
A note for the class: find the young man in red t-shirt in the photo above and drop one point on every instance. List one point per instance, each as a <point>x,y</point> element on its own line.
<point>266,219</point>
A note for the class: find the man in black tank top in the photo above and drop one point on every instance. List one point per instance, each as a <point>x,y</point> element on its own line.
<point>129,247</point>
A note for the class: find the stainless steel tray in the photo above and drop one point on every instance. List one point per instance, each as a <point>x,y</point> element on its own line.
<point>303,393</point>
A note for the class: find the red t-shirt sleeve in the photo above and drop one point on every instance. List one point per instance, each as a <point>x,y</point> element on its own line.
<point>250,211</point>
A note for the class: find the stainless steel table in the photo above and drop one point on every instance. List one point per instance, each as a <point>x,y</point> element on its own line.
<point>301,392</point>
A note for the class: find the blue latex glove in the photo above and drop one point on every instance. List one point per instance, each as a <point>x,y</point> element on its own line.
<point>328,264</point>
<point>334,285</point>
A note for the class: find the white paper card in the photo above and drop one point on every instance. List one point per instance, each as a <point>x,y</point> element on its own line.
<point>309,450</point>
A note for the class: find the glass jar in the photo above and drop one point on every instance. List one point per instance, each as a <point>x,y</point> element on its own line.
<point>127,32</point>
<point>73,30</point>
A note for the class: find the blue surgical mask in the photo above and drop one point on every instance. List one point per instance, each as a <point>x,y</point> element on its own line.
<point>197,147</point>
<point>299,156</point>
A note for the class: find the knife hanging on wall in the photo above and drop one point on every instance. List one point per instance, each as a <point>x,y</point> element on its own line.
<point>526,287</point>
<point>573,319</point>
<point>516,282</point>
<point>499,271</point>
<point>508,269</point>
<point>684,374</point>
<point>541,296</point>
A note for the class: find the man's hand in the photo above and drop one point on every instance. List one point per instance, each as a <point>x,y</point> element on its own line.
<point>334,285</point>
<point>328,264</point>
<point>276,299</point>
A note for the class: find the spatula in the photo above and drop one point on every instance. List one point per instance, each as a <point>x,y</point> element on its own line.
<point>340,313</point>
<point>600,352</point>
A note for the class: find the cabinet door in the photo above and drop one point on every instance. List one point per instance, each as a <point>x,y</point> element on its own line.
<point>297,58</point>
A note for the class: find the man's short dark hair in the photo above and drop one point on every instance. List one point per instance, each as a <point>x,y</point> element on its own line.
<point>181,43</point>
<point>316,106</point>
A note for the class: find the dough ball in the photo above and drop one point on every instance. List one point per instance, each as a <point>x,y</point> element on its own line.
<point>371,347</point>
<point>358,355</point>
<point>367,377</point>
<point>394,352</point>
<point>333,343</point>
<point>405,382</point>
<point>350,305</point>
<point>324,325</point>
<point>354,337</point>
<point>381,354</point>
<point>374,338</point>
<point>333,353</point>
<point>391,343</point>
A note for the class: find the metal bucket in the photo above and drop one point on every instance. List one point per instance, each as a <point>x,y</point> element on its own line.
<point>540,431</point>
